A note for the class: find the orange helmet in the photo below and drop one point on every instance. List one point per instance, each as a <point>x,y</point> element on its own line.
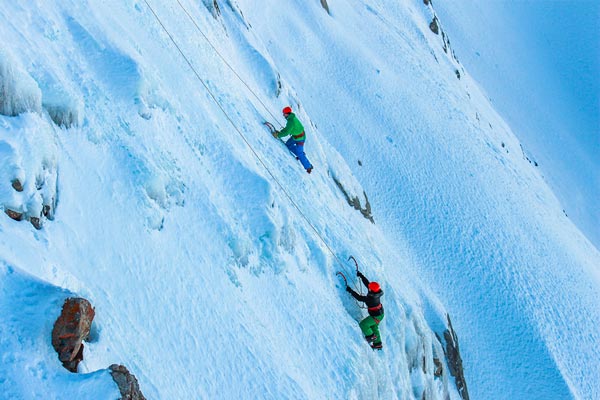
<point>374,287</point>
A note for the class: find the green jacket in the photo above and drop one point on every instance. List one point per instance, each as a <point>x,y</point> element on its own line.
<point>293,127</point>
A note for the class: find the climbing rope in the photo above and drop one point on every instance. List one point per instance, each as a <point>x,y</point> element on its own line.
<point>245,140</point>
<point>224,60</point>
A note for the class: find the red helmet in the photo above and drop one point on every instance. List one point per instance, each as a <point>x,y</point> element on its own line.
<point>374,287</point>
<point>287,110</point>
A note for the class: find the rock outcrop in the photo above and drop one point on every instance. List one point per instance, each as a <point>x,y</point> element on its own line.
<point>17,185</point>
<point>71,329</point>
<point>213,7</point>
<point>16,215</point>
<point>127,383</point>
<point>354,201</point>
<point>29,168</point>
<point>455,365</point>
<point>436,27</point>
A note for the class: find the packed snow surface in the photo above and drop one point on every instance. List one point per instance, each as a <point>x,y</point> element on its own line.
<point>539,62</point>
<point>210,255</point>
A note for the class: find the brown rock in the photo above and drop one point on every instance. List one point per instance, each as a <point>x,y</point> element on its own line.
<point>127,383</point>
<point>16,184</point>
<point>434,26</point>
<point>71,329</point>
<point>439,368</point>
<point>36,222</point>
<point>17,216</point>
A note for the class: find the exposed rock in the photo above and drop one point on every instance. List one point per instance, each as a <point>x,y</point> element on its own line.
<point>434,26</point>
<point>355,201</point>
<point>48,209</point>
<point>529,160</point>
<point>213,7</point>
<point>452,352</point>
<point>445,42</point>
<point>71,329</point>
<point>36,222</point>
<point>127,383</point>
<point>279,86</point>
<point>17,185</point>
<point>325,5</point>
<point>439,368</point>
<point>35,182</point>
<point>17,216</point>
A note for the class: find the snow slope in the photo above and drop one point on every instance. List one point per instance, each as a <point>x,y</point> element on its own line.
<point>540,64</point>
<point>210,255</point>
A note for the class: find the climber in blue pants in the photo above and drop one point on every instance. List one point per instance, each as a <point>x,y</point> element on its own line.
<point>295,143</point>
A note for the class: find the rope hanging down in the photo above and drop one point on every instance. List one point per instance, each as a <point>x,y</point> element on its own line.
<point>241,134</point>
<point>224,60</point>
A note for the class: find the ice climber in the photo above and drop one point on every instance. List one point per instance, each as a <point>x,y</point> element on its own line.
<point>370,325</point>
<point>295,143</point>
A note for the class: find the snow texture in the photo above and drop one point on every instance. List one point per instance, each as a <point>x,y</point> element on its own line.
<point>210,255</point>
<point>19,93</point>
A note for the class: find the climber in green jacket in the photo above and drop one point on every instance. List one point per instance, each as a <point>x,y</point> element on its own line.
<point>295,143</point>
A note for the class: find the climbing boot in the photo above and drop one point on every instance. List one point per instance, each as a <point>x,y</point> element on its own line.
<point>377,346</point>
<point>370,338</point>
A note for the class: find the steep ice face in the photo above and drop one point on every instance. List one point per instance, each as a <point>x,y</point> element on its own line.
<point>210,255</point>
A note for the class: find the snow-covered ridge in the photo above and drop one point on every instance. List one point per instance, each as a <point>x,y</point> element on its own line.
<point>211,257</point>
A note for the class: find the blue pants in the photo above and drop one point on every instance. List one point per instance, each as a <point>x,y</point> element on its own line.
<point>297,148</point>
